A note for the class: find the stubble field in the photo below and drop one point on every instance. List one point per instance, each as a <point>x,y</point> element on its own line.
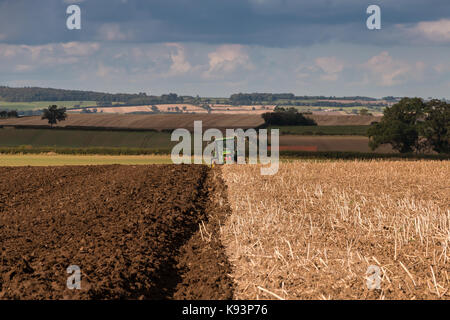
<point>312,230</point>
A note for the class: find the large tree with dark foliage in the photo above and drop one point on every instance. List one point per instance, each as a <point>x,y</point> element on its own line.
<point>412,125</point>
<point>399,126</point>
<point>54,114</point>
<point>436,127</point>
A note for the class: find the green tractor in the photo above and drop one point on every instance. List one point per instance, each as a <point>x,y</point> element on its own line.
<point>226,154</point>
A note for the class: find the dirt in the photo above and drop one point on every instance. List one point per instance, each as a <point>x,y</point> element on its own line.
<point>132,230</point>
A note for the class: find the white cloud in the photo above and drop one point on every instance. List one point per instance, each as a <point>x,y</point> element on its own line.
<point>80,48</point>
<point>179,64</point>
<point>112,32</point>
<point>227,58</point>
<point>331,66</point>
<point>437,31</point>
<point>22,58</point>
<point>386,71</point>
<point>104,71</point>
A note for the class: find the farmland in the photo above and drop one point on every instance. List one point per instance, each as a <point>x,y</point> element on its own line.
<point>331,143</point>
<point>190,232</point>
<point>323,130</point>
<point>151,140</point>
<point>85,138</point>
<point>51,159</point>
<point>38,105</point>
<point>312,230</point>
<point>181,108</point>
<point>151,121</point>
<point>130,229</point>
<point>324,119</point>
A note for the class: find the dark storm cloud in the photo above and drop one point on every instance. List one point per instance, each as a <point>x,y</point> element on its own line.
<point>262,22</point>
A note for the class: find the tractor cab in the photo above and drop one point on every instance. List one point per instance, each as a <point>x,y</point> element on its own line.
<point>226,155</point>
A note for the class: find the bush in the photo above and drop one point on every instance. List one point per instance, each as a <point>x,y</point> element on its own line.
<point>287,117</point>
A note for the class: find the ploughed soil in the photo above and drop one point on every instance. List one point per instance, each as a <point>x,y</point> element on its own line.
<point>136,232</point>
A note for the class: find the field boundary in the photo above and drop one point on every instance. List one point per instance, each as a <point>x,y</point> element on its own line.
<point>84,151</point>
<point>284,155</point>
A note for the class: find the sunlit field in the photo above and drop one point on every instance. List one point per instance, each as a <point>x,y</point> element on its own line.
<point>313,230</point>
<point>63,160</point>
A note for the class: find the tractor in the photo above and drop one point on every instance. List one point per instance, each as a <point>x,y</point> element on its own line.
<point>229,155</point>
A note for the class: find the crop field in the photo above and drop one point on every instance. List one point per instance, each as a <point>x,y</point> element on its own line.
<point>146,140</point>
<point>146,108</point>
<point>331,143</point>
<point>185,108</point>
<point>150,121</point>
<point>85,138</point>
<point>49,159</point>
<point>132,231</point>
<point>324,119</point>
<point>313,230</point>
<point>323,130</point>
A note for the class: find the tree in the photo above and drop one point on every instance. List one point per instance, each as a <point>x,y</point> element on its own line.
<point>286,117</point>
<point>399,126</point>
<point>364,112</point>
<point>13,114</point>
<point>54,114</point>
<point>436,127</point>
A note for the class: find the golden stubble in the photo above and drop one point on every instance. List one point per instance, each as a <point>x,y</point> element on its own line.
<point>312,230</point>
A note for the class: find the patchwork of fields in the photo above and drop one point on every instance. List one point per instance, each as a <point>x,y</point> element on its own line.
<point>147,121</point>
<point>10,137</point>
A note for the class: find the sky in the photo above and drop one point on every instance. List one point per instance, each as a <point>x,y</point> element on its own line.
<point>215,48</point>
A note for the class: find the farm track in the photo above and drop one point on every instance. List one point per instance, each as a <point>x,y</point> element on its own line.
<point>133,231</point>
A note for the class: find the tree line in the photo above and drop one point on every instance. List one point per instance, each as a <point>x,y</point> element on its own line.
<point>9,114</point>
<point>30,94</point>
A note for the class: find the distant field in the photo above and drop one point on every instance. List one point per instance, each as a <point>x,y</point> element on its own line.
<point>343,120</point>
<point>324,130</point>
<point>84,138</point>
<point>62,160</point>
<point>36,105</point>
<point>148,121</point>
<point>186,108</point>
<point>331,143</point>
<point>10,137</point>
